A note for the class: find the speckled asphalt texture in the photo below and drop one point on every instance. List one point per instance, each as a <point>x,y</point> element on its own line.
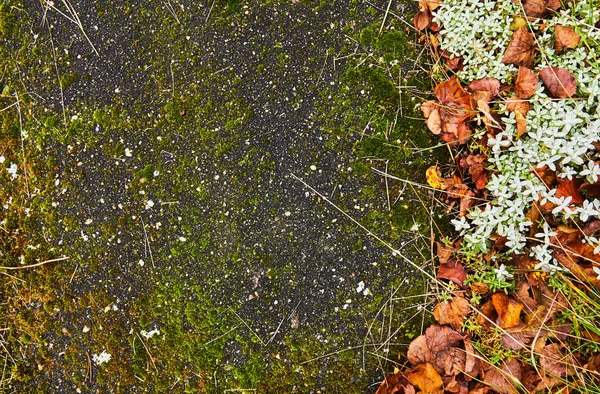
<point>175,188</point>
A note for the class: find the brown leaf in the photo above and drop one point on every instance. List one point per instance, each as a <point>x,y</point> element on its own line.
<point>422,20</point>
<point>466,202</point>
<point>564,38</point>
<point>396,384</point>
<point>554,362</point>
<point>452,312</point>
<point>455,102</point>
<point>540,8</point>
<point>453,271</point>
<point>559,82</point>
<point>487,84</point>
<point>569,188</point>
<point>523,296</point>
<point>526,83</point>
<point>509,310</point>
<point>454,63</point>
<point>434,122</point>
<point>427,379</point>
<point>504,379</point>
<point>477,169</point>
<point>521,48</point>
<point>443,343</point>
<point>473,364</point>
<point>418,351</point>
<point>427,108</point>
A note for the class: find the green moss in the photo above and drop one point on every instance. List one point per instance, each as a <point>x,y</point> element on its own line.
<point>68,79</point>
<point>7,19</point>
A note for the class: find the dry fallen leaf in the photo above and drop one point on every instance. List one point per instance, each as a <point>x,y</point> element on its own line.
<point>427,379</point>
<point>431,5</point>
<point>452,312</point>
<point>455,102</point>
<point>521,48</point>
<point>491,85</point>
<point>526,83</point>
<point>520,108</point>
<point>509,310</point>
<point>554,362</point>
<point>434,122</point>
<point>422,20</point>
<point>559,82</point>
<point>540,8</point>
<point>453,271</point>
<point>444,349</point>
<point>565,38</point>
<point>504,379</point>
<point>569,188</point>
<point>396,384</point>
<point>418,351</point>
<point>434,178</point>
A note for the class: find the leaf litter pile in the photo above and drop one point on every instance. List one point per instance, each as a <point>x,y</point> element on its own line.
<point>516,97</point>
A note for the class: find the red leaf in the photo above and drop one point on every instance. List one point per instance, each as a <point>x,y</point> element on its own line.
<point>559,82</point>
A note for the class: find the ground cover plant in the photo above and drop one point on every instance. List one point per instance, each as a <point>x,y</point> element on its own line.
<point>516,96</point>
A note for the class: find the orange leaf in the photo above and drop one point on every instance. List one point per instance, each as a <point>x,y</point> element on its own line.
<point>431,5</point>
<point>520,51</point>
<point>564,38</point>
<point>526,83</point>
<point>520,108</point>
<point>455,101</point>
<point>452,312</point>
<point>509,310</point>
<point>427,379</point>
<point>559,82</point>
<point>569,188</point>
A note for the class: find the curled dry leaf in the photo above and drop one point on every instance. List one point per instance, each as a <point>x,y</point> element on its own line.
<point>491,85</point>
<point>426,378</point>
<point>509,310</point>
<point>521,49</point>
<point>434,122</point>
<point>526,83</point>
<point>422,19</point>
<point>565,38</point>
<point>559,82</point>
<point>452,312</point>
<point>444,349</point>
